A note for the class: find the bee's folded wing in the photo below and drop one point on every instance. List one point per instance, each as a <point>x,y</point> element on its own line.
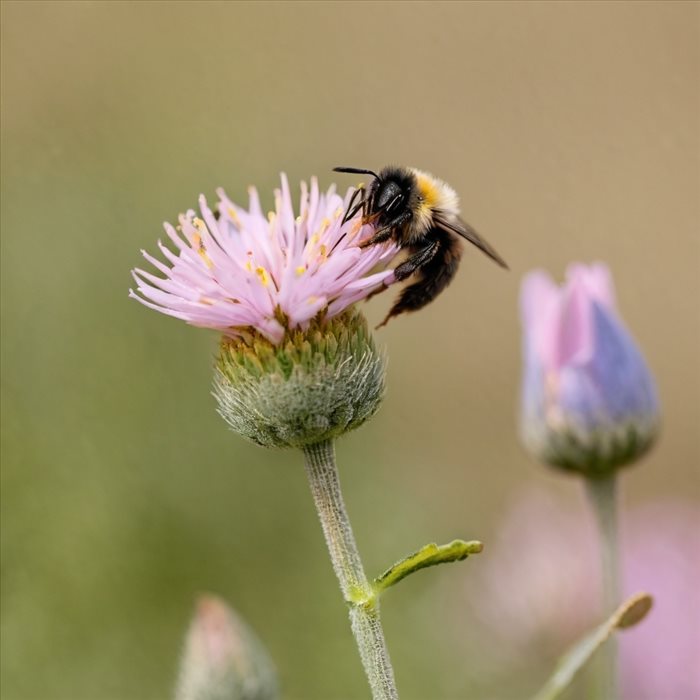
<point>461,228</point>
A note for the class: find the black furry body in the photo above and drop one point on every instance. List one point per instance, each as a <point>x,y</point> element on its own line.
<point>433,263</point>
<point>420,214</point>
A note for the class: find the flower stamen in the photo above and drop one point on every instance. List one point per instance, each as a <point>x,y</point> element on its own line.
<point>201,249</point>
<point>261,272</point>
<point>233,215</point>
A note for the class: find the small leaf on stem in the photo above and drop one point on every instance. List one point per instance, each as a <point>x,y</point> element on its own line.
<point>430,555</point>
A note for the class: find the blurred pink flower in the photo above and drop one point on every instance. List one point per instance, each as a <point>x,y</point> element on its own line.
<point>537,590</point>
<point>588,399</point>
<point>660,659</point>
<point>266,272</point>
<point>538,576</point>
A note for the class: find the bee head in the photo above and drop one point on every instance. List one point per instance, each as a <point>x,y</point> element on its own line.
<point>390,195</point>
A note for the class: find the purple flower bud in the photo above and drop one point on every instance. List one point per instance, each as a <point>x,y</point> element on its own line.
<point>588,399</point>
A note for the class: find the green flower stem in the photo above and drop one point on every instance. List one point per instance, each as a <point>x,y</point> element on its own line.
<point>357,591</point>
<point>602,493</point>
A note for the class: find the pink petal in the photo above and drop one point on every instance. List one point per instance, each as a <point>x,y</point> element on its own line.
<point>597,280</point>
<point>539,309</point>
<point>575,331</point>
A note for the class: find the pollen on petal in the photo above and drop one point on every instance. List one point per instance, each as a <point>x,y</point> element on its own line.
<point>233,214</point>
<point>261,272</point>
<point>200,248</point>
<point>207,260</point>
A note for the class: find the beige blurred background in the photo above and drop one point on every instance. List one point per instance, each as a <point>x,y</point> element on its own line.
<point>570,131</point>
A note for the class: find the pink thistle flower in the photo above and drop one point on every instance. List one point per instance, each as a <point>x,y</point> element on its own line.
<point>270,273</point>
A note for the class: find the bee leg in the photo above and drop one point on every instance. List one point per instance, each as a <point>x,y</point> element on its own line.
<point>416,261</point>
<point>408,299</point>
<point>436,272</point>
<point>352,207</point>
<point>387,318</point>
<point>378,290</point>
<point>385,233</point>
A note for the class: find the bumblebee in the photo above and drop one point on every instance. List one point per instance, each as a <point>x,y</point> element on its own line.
<point>421,214</point>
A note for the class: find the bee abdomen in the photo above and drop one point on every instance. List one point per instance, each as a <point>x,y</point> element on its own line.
<point>434,277</point>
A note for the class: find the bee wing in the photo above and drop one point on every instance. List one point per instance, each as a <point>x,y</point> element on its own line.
<point>461,228</point>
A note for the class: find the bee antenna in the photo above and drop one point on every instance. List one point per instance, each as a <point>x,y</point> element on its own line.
<point>357,171</point>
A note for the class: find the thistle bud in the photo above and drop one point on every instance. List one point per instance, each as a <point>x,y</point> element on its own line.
<point>223,659</point>
<point>316,385</point>
<point>589,402</point>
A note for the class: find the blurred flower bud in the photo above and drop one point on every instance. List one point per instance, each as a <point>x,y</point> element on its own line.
<point>223,659</point>
<point>588,399</point>
<point>316,385</point>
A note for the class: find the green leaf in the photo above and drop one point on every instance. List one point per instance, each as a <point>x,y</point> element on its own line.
<point>632,611</point>
<point>430,555</point>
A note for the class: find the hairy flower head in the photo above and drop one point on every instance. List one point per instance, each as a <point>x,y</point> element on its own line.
<point>248,271</point>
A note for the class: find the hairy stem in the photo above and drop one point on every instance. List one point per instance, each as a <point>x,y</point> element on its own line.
<point>602,494</point>
<point>364,606</point>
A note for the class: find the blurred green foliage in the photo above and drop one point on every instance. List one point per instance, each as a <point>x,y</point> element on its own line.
<point>571,132</point>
